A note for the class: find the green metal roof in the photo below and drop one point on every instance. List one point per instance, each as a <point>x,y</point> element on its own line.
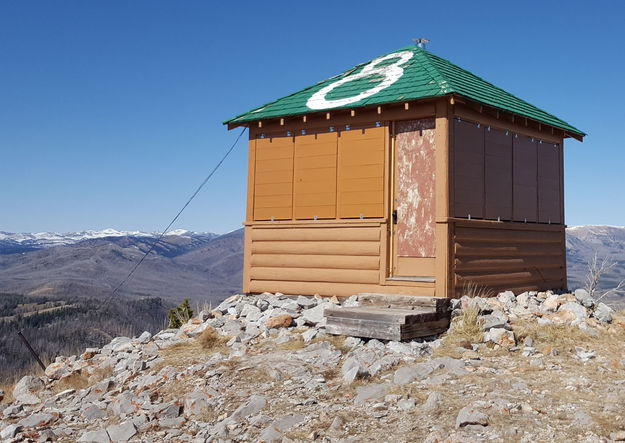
<point>409,73</point>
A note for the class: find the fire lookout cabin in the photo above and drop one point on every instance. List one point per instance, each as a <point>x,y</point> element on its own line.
<point>404,175</point>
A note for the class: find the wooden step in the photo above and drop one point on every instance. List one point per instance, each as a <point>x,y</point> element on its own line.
<point>394,322</point>
<point>439,304</point>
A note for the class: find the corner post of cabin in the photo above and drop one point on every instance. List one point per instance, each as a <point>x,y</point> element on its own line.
<point>249,213</point>
<point>443,273</point>
<point>562,219</point>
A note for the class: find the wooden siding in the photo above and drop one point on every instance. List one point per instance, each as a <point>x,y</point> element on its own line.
<point>314,193</point>
<point>469,169</point>
<point>508,256</point>
<point>361,173</point>
<point>273,181</point>
<point>327,258</point>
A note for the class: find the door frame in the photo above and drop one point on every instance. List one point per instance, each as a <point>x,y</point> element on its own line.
<point>400,267</point>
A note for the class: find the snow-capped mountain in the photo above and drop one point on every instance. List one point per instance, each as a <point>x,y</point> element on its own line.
<point>23,242</point>
<point>200,266</point>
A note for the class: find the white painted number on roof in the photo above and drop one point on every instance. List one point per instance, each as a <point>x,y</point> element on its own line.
<point>391,74</point>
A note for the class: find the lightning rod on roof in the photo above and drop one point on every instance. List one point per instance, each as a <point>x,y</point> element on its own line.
<point>421,42</point>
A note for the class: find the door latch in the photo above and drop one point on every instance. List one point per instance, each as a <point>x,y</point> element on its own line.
<point>395,217</point>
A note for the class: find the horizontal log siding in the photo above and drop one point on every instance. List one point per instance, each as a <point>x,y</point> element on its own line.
<point>508,256</point>
<point>325,259</point>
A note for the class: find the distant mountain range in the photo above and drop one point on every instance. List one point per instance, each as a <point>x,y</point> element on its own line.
<point>583,242</point>
<point>24,242</point>
<point>200,266</point>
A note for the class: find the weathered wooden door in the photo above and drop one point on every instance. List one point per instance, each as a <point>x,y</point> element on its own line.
<point>413,242</point>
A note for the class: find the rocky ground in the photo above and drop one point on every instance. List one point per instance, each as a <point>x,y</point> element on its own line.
<point>530,367</point>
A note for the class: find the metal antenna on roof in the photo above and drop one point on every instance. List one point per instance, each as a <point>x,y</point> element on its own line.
<point>421,42</point>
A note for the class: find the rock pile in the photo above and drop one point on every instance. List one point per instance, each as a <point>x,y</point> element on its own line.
<point>495,313</point>
<point>262,368</point>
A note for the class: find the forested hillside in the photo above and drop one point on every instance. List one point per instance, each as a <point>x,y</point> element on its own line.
<point>56,326</point>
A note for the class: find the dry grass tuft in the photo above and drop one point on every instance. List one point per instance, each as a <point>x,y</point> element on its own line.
<point>465,329</point>
<point>297,342</point>
<point>330,374</point>
<point>472,290</point>
<point>193,351</point>
<point>211,340</point>
<point>561,336</point>
<point>7,387</point>
<point>467,326</point>
<point>8,384</point>
<point>77,381</point>
<point>338,341</point>
<point>82,379</point>
<point>294,344</point>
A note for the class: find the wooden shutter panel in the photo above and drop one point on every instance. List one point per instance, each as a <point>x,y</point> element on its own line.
<point>314,191</point>
<point>273,184</point>
<point>498,174</point>
<point>469,169</point>
<point>361,173</point>
<point>525,192</point>
<point>549,183</point>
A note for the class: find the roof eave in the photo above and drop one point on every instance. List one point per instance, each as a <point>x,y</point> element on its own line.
<point>567,133</point>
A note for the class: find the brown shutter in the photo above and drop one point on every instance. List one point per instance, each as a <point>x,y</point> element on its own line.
<point>273,185</point>
<point>469,170</point>
<point>361,173</point>
<point>548,183</point>
<point>498,174</point>
<point>315,176</point>
<point>525,179</point>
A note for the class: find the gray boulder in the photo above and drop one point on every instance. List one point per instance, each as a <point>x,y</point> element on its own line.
<point>122,432</point>
<point>603,313</point>
<point>351,302</point>
<point>584,298</point>
<point>253,406</point>
<point>145,337</point>
<point>469,415</point>
<point>306,302</point>
<point>433,401</point>
<point>10,431</point>
<point>26,388</point>
<point>507,298</point>
<point>406,404</point>
<point>495,320</point>
<point>38,419</point>
<point>410,374</point>
<point>501,337</point>
<point>309,335</point>
<point>199,401</point>
<point>99,436</point>
<point>275,431</point>
<point>313,316</point>
<point>93,412</point>
<point>577,309</point>
<point>251,313</point>
<point>370,392</point>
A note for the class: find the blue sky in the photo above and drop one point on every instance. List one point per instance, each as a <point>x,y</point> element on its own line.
<point>111,111</point>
